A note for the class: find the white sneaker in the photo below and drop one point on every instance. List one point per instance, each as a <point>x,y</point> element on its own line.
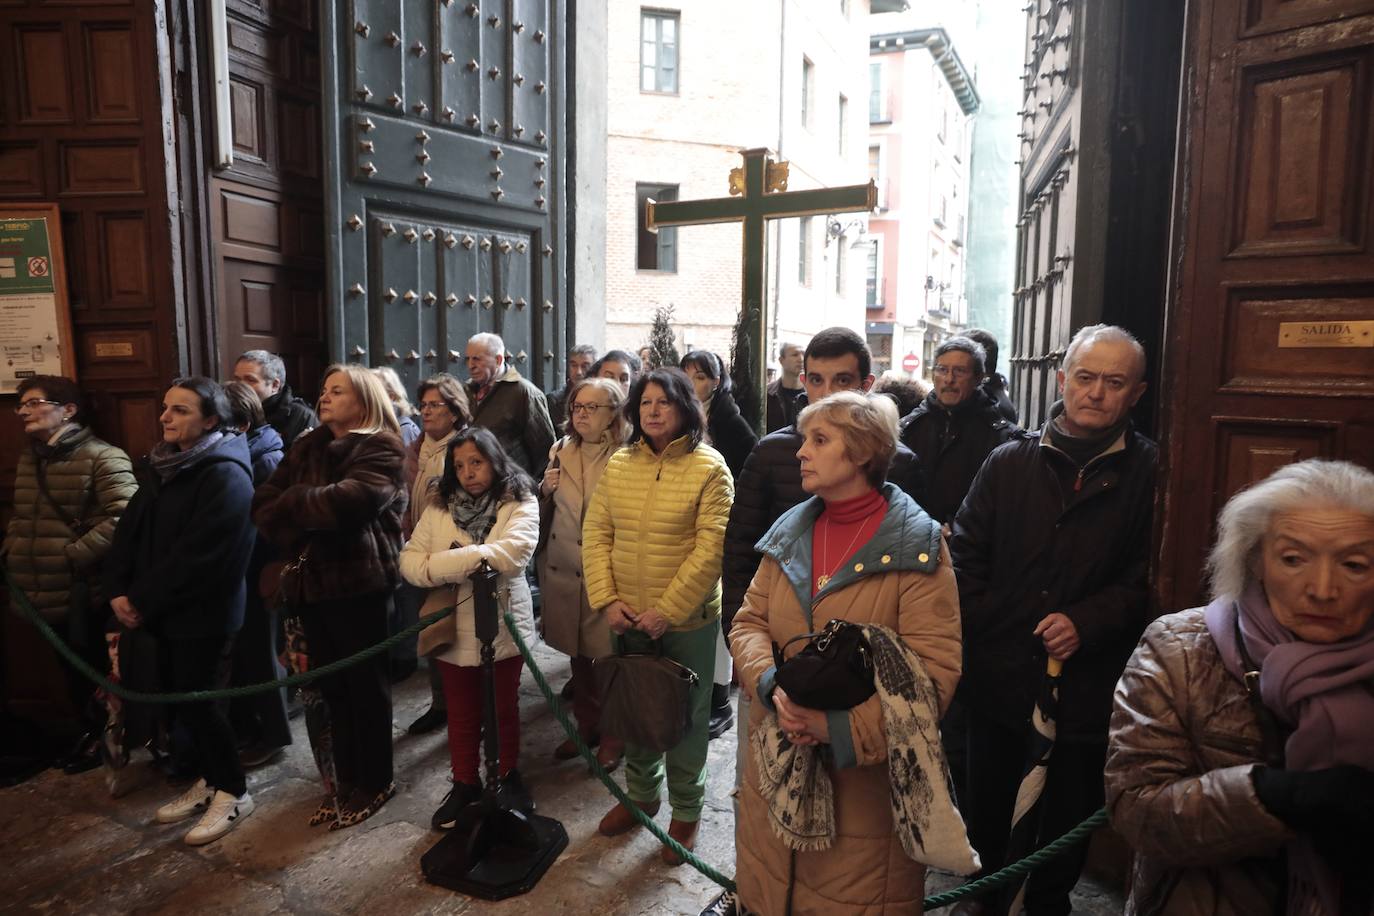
<point>224,814</point>
<point>193,801</point>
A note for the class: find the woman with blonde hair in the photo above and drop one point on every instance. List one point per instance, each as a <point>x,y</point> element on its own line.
<point>405,411</point>
<point>596,428</point>
<point>335,505</point>
<point>851,830</point>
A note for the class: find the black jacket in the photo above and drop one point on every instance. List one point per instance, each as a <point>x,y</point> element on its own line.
<point>1026,544</point>
<point>783,405</point>
<point>767,486</point>
<point>558,408</point>
<point>730,433</point>
<point>995,387</point>
<point>181,548</point>
<point>951,446</point>
<point>289,415</point>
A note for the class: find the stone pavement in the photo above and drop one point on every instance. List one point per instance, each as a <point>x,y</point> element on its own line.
<point>67,847</point>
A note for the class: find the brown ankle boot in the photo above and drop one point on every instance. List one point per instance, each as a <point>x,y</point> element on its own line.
<point>621,820</point>
<point>685,832</point>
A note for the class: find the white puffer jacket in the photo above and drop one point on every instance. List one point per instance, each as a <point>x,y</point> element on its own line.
<point>431,560</point>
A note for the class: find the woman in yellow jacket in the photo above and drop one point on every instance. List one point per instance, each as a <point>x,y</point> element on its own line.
<point>651,552</point>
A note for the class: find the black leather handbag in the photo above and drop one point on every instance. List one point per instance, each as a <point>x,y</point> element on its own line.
<point>646,699</point>
<point>834,670</point>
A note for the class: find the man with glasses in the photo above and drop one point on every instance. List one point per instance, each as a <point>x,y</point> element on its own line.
<point>954,428</point>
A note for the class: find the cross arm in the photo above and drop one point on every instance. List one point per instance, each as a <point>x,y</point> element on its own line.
<point>815,202</point>
<point>695,212</point>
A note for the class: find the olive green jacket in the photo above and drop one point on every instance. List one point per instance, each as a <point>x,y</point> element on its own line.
<point>92,481</point>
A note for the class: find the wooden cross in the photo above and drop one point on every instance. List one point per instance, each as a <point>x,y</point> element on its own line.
<point>758,192</point>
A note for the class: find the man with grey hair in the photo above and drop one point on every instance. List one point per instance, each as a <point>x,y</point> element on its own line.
<point>265,373</point>
<point>954,428</point>
<point>508,404</point>
<point>1051,548</point>
<point>580,359</point>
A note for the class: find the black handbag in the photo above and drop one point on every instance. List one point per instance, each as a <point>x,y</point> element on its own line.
<point>646,699</point>
<point>834,670</point>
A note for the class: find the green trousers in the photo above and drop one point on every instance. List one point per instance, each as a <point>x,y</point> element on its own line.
<point>686,763</point>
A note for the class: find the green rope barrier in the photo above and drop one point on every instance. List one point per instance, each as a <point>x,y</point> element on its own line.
<point>600,772</point>
<point>1011,873</point>
<point>200,696</point>
<point>1018,870</point>
<point>997,879</point>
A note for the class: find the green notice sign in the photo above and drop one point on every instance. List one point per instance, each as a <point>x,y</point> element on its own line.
<point>30,330</point>
<point>25,257</point>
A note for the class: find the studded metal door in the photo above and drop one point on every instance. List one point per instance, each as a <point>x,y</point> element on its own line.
<point>444,156</point>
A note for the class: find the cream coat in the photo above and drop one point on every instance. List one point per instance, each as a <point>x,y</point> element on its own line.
<point>865,872</point>
<point>570,624</point>
<point>440,557</point>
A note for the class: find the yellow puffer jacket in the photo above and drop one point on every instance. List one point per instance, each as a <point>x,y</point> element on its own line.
<point>655,530</point>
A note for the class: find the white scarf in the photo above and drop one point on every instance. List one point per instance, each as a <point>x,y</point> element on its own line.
<point>429,469</point>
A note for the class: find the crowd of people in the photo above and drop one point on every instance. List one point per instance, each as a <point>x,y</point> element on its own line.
<point>918,537</point>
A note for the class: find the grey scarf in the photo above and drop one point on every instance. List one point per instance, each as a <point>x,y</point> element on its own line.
<point>167,459</point>
<point>474,514</point>
<point>801,801</point>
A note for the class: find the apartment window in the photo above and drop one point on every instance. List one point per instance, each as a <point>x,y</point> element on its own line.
<point>658,51</point>
<point>654,250</point>
<point>872,299</point>
<point>808,90</point>
<point>804,252</point>
<point>875,172</point>
<point>844,124</point>
<point>876,109</point>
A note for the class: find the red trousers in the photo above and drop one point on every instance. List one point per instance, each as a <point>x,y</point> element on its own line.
<point>463,695</point>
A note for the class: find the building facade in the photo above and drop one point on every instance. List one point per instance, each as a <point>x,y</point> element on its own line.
<point>685,96</point>
<point>921,105</point>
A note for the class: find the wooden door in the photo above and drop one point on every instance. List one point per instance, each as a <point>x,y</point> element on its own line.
<point>445,148</point>
<point>266,209</point>
<point>82,89</point>
<point>1275,225</point>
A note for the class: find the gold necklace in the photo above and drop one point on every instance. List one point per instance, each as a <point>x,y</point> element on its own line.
<point>824,579</point>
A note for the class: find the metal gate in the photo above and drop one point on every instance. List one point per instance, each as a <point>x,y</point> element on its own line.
<point>444,161</point>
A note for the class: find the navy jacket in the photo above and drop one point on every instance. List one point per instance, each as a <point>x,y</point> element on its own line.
<point>265,449</point>
<point>181,548</point>
<point>1025,545</point>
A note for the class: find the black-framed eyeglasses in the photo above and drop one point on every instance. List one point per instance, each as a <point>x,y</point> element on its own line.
<point>34,402</point>
<point>587,408</point>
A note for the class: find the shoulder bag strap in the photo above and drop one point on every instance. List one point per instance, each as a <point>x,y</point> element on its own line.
<point>78,528</point>
<point>1269,726</point>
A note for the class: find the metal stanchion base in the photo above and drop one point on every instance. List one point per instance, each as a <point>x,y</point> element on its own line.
<point>493,852</point>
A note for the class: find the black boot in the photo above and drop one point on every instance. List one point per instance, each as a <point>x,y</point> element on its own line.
<point>722,715</point>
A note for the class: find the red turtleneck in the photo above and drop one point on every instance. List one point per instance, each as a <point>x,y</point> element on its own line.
<point>844,527</point>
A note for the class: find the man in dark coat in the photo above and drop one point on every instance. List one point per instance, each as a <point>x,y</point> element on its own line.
<point>265,373</point>
<point>1051,549</point>
<point>954,428</point>
<point>580,360</point>
<point>994,383</point>
<point>786,394</point>
<point>510,406</point>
